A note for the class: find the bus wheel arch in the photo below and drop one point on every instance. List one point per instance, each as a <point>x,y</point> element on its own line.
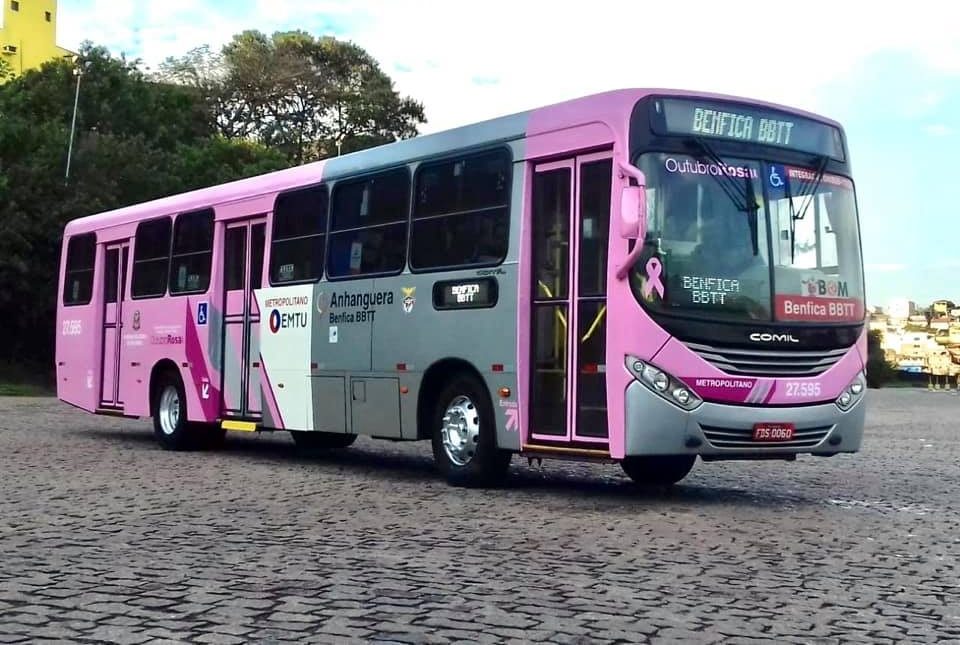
<point>171,427</point>
<point>162,371</point>
<point>455,411</point>
<point>434,380</point>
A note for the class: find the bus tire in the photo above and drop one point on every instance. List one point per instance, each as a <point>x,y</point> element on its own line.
<point>658,470</point>
<point>318,441</point>
<point>170,425</point>
<point>464,435</point>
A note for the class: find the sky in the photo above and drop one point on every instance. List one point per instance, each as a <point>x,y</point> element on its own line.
<point>889,72</point>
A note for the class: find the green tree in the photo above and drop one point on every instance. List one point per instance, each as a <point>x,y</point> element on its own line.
<point>115,98</point>
<point>135,140</point>
<point>362,109</point>
<point>204,72</point>
<point>309,98</point>
<point>5,70</point>
<point>879,371</point>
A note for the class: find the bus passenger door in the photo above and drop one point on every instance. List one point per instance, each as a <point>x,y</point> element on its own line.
<point>242,273</point>
<point>114,280</point>
<point>567,371</point>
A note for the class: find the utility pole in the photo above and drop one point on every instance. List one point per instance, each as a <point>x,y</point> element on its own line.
<point>78,72</point>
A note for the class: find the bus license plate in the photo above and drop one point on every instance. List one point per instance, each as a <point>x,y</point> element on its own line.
<point>773,432</point>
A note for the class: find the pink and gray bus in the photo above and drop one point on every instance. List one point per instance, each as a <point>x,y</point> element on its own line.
<point>639,276</point>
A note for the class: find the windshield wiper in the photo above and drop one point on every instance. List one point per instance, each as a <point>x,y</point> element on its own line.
<point>744,199</point>
<point>752,218</point>
<point>821,168</point>
<point>794,216</point>
<point>730,187</point>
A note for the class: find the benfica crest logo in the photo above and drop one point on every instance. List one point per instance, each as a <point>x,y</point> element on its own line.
<point>408,299</point>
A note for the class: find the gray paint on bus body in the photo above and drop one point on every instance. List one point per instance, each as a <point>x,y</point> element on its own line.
<point>411,151</point>
<point>357,343</point>
<point>329,403</point>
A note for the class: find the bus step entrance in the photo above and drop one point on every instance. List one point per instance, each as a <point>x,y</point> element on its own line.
<point>566,451</point>
<point>110,411</point>
<point>239,426</point>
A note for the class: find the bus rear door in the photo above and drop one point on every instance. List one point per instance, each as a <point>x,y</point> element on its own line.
<point>242,273</point>
<point>114,281</point>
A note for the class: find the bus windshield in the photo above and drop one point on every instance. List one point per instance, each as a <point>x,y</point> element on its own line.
<point>743,239</point>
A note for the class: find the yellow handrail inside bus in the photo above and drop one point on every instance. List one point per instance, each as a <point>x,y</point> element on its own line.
<point>563,320</point>
<point>546,289</point>
<point>594,324</point>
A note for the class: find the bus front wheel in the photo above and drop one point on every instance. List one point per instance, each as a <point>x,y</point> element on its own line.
<point>464,435</point>
<point>651,470</point>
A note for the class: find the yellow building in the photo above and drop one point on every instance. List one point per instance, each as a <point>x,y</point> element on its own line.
<point>28,34</point>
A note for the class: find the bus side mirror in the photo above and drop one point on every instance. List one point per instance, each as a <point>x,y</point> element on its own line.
<point>633,211</point>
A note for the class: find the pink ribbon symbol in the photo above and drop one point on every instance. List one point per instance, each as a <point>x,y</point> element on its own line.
<point>653,282</point>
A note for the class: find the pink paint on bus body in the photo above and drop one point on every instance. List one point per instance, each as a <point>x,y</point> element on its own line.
<point>554,132</point>
<point>712,384</point>
<point>166,330</point>
<point>559,131</point>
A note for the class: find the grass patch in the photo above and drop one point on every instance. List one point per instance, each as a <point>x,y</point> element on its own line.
<point>24,389</point>
<point>20,379</point>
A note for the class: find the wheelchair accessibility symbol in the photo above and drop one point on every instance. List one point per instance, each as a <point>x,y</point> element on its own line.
<point>776,181</point>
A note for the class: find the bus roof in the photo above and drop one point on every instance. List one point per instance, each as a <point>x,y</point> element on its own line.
<point>610,107</point>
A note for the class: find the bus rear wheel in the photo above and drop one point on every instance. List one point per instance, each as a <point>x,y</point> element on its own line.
<point>464,435</point>
<point>170,425</point>
<point>654,470</point>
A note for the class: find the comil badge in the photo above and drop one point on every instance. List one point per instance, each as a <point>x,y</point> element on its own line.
<point>408,299</point>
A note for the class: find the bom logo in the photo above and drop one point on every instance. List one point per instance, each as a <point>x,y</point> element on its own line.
<point>828,288</point>
<point>280,321</point>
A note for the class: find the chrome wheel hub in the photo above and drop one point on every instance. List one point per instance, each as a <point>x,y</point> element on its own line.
<point>169,410</point>
<point>461,430</point>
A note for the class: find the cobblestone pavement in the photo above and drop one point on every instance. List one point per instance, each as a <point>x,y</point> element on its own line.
<point>105,537</point>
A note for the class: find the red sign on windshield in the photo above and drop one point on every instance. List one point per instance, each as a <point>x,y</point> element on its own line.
<point>818,309</point>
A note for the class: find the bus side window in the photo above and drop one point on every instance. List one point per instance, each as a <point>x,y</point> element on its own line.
<point>78,277</point>
<point>234,259</point>
<point>299,235</point>
<point>192,252</point>
<point>368,224</point>
<point>151,258</point>
<point>461,212</point>
<point>111,274</point>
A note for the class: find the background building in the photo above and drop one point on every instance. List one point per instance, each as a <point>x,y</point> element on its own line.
<point>28,34</point>
<point>901,309</point>
<point>942,307</point>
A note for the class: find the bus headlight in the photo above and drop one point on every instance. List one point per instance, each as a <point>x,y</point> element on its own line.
<point>852,393</point>
<point>663,384</point>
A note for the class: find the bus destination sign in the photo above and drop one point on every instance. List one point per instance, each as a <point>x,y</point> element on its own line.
<point>465,294</point>
<point>748,124</point>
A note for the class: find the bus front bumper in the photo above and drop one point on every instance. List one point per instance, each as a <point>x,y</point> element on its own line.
<point>655,426</point>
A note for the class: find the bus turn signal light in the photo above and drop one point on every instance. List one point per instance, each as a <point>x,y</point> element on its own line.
<point>504,393</point>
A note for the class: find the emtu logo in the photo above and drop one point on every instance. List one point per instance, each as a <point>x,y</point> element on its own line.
<point>280,321</point>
